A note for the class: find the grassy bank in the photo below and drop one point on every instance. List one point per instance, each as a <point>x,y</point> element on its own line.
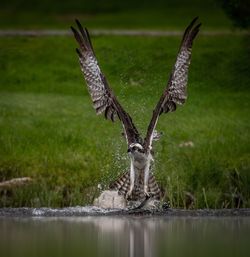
<point>49,130</point>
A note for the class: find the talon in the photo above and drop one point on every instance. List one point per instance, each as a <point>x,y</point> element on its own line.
<point>146,193</point>
<point>129,193</point>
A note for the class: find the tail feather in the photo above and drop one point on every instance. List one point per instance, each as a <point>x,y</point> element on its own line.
<point>122,185</point>
<point>153,187</point>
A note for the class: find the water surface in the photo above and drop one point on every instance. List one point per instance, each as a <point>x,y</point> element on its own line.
<point>129,236</point>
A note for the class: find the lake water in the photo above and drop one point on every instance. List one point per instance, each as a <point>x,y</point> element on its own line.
<point>130,236</point>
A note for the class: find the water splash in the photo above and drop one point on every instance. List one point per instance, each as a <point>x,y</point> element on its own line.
<point>71,211</point>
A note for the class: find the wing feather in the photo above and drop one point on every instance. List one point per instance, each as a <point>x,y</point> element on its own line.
<point>176,90</point>
<point>104,101</point>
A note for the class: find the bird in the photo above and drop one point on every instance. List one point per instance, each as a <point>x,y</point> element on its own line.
<point>138,182</point>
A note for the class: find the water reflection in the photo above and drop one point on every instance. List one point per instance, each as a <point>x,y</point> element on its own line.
<point>124,236</point>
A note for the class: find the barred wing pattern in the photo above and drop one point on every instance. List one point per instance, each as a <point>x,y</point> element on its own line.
<point>175,92</point>
<point>102,96</point>
<point>122,185</point>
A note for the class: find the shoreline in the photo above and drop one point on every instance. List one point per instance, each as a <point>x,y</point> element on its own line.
<point>79,211</point>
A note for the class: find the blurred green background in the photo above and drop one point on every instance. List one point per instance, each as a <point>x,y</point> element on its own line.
<point>49,130</point>
<point>168,14</point>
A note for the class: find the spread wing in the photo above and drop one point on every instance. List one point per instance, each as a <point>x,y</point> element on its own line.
<point>103,98</point>
<point>175,92</point>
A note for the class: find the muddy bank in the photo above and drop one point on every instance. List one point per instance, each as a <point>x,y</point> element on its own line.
<point>94,211</point>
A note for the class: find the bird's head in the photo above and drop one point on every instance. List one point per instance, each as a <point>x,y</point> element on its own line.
<point>135,147</point>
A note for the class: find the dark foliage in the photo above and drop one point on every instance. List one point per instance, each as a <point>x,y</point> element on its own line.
<point>238,11</point>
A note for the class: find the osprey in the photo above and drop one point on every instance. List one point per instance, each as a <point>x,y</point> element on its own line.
<point>139,182</point>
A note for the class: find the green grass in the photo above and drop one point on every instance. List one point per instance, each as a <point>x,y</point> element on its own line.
<point>49,130</point>
<point>130,14</point>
